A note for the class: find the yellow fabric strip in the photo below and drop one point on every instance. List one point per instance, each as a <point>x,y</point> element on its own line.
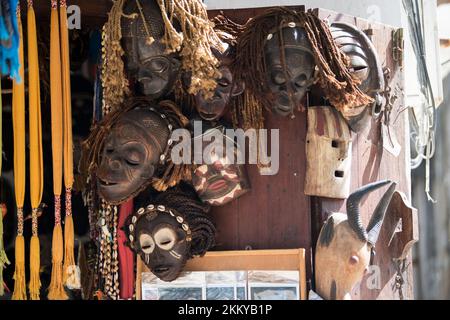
<point>36,165</point>
<point>65,71</point>
<point>56,289</point>
<point>18,113</point>
<point>70,275</point>
<point>56,102</point>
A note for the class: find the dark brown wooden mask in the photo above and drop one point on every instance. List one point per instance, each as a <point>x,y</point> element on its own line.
<point>168,228</point>
<point>227,88</point>
<point>162,243</point>
<point>131,154</point>
<point>290,67</point>
<point>365,66</point>
<point>146,60</point>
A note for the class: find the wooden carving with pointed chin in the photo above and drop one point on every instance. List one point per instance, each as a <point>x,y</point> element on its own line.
<point>344,248</point>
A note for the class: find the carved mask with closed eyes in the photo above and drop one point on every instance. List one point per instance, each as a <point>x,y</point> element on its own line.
<point>131,154</point>
<point>161,243</point>
<point>148,63</point>
<point>290,68</point>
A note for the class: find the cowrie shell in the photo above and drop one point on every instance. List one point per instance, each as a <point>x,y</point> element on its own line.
<point>141,211</point>
<point>161,208</point>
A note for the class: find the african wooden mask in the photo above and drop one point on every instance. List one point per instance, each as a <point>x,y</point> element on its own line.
<point>328,154</point>
<point>131,148</point>
<point>219,179</point>
<point>345,247</point>
<point>228,87</point>
<point>289,66</point>
<point>131,153</point>
<point>169,228</point>
<point>365,66</point>
<point>146,57</point>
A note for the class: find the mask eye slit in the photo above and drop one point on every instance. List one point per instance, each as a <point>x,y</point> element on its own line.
<point>166,238</point>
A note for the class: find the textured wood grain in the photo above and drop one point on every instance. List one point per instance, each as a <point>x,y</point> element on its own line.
<point>328,154</point>
<point>371,163</point>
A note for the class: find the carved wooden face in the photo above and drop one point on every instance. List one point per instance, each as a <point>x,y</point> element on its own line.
<point>148,63</point>
<point>131,154</point>
<point>290,68</point>
<point>161,243</point>
<point>154,70</point>
<point>216,107</point>
<point>341,259</point>
<point>220,179</point>
<point>365,66</point>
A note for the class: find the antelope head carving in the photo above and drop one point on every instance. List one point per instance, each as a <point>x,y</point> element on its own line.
<point>345,247</point>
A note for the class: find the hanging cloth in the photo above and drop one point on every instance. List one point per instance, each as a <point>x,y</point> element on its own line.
<point>9,38</point>
<point>126,256</point>
<point>18,114</point>
<point>3,258</point>
<point>71,272</point>
<point>56,289</point>
<point>36,165</point>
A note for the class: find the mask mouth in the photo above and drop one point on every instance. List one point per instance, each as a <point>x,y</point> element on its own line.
<point>105,183</point>
<point>208,116</point>
<point>164,273</point>
<point>283,105</point>
<point>282,110</point>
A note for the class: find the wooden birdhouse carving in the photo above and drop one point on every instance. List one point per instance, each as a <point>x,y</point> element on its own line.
<point>328,154</point>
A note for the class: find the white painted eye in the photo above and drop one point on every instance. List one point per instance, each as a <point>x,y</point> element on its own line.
<point>147,243</point>
<point>165,238</point>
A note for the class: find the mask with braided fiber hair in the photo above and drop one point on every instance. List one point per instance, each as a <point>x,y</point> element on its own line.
<point>169,228</point>
<point>130,149</point>
<point>280,54</point>
<point>290,67</point>
<point>146,59</point>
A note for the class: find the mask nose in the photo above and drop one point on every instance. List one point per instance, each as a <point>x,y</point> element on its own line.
<point>144,75</point>
<point>157,257</point>
<point>114,164</point>
<point>217,94</point>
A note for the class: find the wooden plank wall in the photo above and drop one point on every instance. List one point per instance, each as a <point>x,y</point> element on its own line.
<point>275,213</point>
<point>371,162</point>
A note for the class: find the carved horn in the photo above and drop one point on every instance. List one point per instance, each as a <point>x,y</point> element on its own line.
<point>374,226</point>
<point>353,214</point>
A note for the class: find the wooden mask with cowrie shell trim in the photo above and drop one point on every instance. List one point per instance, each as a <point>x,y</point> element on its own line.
<point>169,228</point>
